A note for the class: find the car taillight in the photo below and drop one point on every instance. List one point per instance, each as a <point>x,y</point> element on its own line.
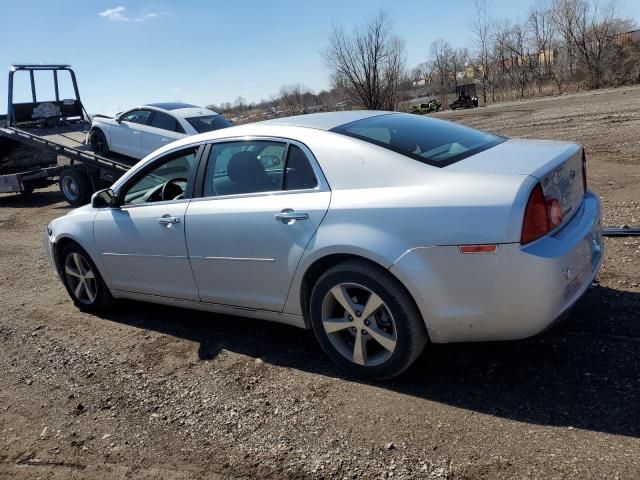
<point>584,171</point>
<point>536,221</point>
<point>540,216</point>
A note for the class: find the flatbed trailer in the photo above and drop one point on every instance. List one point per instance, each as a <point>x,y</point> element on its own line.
<point>37,133</point>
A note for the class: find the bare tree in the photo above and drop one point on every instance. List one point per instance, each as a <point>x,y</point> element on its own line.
<point>369,64</point>
<point>440,50</point>
<point>294,96</point>
<point>457,60</point>
<point>542,31</point>
<point>240,104</point>
<point>521,58</point>
<point>590,27</point>
<point>481,27</point>
<point>416,74</point>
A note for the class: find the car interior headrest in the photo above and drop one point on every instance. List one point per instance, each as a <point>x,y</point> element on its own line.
<point>244,167</point>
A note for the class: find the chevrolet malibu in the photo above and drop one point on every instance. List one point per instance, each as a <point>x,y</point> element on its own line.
<point>380,231</point>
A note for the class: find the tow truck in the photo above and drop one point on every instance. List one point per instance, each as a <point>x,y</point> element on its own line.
<point>38,132</point>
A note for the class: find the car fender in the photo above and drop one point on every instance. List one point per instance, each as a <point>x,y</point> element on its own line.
<point>104,125</point>
<point>338,237</point>
<point>77,226</point>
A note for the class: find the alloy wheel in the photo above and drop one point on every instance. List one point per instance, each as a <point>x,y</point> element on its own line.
<point>80,278</point>
<point>359,324</point>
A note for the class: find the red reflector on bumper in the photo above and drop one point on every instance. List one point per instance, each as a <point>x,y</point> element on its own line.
<point>478,248</point>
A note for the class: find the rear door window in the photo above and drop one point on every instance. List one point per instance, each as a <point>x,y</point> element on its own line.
<point>163,121</point>
<point>208,123</point>
<point>244,167</point>
<point>299,174</point>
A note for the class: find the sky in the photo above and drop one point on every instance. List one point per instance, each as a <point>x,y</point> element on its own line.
<point>130,52</point>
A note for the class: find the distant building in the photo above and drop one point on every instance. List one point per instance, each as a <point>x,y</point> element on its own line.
<point>627,38</point>
<point>470,72</point>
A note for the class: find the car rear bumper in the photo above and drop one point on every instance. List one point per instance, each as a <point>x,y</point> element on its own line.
<point>514,293</point>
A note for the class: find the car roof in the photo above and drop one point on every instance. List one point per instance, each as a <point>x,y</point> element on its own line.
<point>181,110</point>
<point>171,105</point>
<point>324,120</point>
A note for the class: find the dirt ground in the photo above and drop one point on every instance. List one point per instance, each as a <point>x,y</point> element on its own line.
<point>154,392</point>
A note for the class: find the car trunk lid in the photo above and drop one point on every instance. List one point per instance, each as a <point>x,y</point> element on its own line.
<point>557,165</point>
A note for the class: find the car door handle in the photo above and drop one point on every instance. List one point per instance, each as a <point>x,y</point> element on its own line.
<point>164,139</point>
<point>168,220</point>
<point>289,216</point>
<point>135,132</point>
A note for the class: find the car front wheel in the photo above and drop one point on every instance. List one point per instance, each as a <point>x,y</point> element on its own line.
<point>82,280</point>
<point>98,142</point>
<point>365,320</point>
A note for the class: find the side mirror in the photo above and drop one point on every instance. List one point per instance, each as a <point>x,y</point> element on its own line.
<point>118,118</point>
<point>103,198</point>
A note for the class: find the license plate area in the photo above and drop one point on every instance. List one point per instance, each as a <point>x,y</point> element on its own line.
<point>592,249</point>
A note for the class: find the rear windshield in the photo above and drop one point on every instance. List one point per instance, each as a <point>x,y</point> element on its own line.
<point>428,140</point>
<point>208,123</point>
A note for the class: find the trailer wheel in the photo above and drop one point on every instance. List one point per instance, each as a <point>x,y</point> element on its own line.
<point>75,186</point>
<point>98,142</point>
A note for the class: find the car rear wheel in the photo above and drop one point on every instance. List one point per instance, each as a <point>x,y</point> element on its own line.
<point>366,321</point>
<point>82,280</point>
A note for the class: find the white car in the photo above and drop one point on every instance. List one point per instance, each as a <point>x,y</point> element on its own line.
<point>378,230</point>
<point>138,132</point>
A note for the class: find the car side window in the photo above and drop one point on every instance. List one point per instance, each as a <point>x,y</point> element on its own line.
<point>244,167</point>
<point>178,128</point>
<point>163,121</point>
<point>137,116</point>
<point>299,174</point>
<point>167,179</point>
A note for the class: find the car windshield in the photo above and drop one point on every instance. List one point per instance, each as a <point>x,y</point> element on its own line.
<point>208,123</point>
<point>431,141</point>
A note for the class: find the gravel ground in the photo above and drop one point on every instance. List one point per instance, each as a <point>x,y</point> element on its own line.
<point>154,392</point>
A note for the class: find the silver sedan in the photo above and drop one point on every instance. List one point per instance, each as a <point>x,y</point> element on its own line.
<point>380,231</point>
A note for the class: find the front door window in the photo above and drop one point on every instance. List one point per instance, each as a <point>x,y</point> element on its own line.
<point>165,181</point>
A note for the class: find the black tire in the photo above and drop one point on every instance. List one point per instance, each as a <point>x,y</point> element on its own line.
<point>98,142</point>
<point>410,331</point>
<point>75,186</point>
<point>101,297</point>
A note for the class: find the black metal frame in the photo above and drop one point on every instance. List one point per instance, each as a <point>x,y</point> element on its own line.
<point>31,69</point>
<point>621,232</point>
